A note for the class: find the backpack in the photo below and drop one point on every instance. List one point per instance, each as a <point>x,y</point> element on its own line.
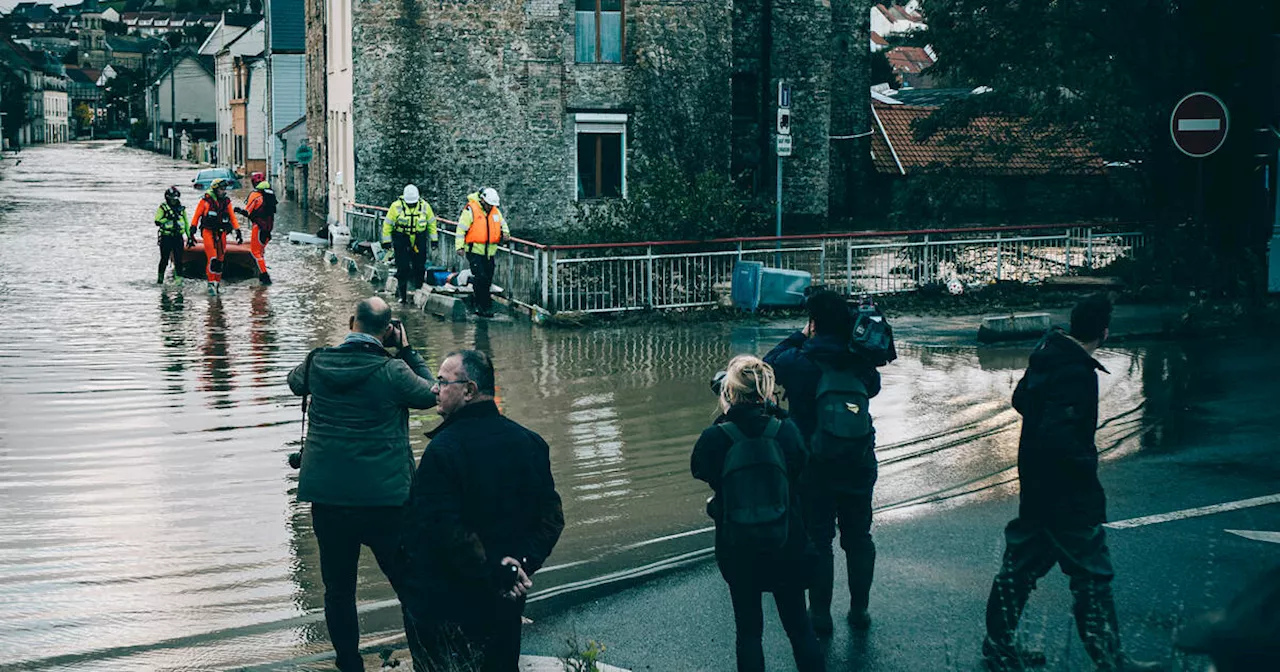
<point>844,419</point>
<point>872,335</point>
<point>755,492</point>
<point>268,207</point>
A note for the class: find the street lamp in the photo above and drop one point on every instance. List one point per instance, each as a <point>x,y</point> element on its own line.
<point>173,135</point>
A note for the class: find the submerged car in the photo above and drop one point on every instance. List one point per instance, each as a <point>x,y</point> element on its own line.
<point>208,175</point>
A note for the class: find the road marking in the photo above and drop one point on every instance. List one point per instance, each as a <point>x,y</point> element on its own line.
<point>1258,535</point>
<point>1194,513</point>
<point>1199,124</point>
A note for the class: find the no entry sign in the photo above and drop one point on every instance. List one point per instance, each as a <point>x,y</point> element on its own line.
<point>1199,124</point>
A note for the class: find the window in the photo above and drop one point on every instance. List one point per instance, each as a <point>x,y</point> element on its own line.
<point>600,32</point>
<point>602,156</point>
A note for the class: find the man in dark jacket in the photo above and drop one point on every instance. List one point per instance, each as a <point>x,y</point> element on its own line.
<point>357,465</point>
<point>1062,504</point>
<point>483,518</point>
<point>831,490</point>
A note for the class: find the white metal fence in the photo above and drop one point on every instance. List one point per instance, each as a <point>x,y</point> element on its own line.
<point>665,275</point>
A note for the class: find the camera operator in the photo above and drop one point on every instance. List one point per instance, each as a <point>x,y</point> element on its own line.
<point>817,365</point>
<point>357,464</point>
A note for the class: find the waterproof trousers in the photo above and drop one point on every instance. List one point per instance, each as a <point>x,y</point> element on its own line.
<point>258,247</point>
<point>1031,551</point>
<point>748,618</point>
<point>847,501</point>
<point>340,533</point>
<point>483,635</point>
<point>171,247</point>
<point>411,265</point>
<point>215,250</point>
<point>482,268</point>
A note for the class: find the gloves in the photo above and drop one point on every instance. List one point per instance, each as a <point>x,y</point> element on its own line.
<point>239,237</point>
<point>242,211</point>
<point>191,242</point>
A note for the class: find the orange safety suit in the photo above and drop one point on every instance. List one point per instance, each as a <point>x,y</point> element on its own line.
<point>263,224</point>
<point>214,218</point>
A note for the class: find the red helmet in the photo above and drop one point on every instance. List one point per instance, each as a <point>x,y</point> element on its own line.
<point>256,177</point>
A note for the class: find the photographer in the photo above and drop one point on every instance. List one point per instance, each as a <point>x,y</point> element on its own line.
<point>829,387</point>
<point>357,464</point>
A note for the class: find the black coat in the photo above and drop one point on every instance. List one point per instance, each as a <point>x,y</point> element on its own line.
<point>790,567</point>
<point>483,492</point>
<point>1057,458</point>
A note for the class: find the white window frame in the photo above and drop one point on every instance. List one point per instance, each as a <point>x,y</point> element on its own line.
<point>602,123</point>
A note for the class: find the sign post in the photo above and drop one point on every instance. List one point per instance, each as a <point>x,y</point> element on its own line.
<point>1198,126</point>
<point>783,148</point>
<point>303,155</point>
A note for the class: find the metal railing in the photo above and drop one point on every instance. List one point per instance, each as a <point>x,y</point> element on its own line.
<point>684,274</point>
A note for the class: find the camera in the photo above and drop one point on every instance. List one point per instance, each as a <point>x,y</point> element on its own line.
<point>393,339</point>
<point>295,460</point>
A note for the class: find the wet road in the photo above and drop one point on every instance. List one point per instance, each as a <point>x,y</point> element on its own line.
<point>149,518</point>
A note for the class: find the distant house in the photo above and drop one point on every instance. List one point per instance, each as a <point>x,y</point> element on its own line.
<point>82,88</point>
<point>909,65</point>
<point>131,52</point>
<point>189,106</point>
<point>897,19</point>
<point>230,44</point>
<point>1005,166</point>
<point>44,81</point>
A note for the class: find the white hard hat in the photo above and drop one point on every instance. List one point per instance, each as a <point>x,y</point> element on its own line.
<point>410,195</point>
<point>490,196</point>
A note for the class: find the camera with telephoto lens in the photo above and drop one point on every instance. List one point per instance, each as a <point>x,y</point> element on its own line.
<point>397,327</point>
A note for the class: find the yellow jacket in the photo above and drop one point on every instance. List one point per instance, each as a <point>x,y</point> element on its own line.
<point>414,219</point>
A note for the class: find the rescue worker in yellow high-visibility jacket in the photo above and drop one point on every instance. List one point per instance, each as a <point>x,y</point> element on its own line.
<point>410,227</point>
<point>481,227</point>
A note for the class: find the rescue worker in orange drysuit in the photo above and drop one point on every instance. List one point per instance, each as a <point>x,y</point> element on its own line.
<point>215,217</point>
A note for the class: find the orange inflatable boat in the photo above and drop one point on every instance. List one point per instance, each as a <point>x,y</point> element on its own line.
<point>239,260</point>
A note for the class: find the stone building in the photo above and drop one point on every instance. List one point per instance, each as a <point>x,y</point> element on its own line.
<point>557,101</point>
<point>317,87</point>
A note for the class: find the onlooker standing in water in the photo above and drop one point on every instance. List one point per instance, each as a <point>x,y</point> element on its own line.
<point>752,459</point>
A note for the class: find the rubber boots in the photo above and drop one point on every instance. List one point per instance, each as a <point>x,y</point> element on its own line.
<point>860,562</point>
<point>264,278</point>
<point>160,277</point>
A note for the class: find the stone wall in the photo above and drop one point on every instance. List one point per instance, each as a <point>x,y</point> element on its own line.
<point>317,118</point>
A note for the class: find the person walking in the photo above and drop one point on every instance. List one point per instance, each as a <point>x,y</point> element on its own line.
<point>1062,504</point>
<point>829,388</point>
<point>356,462</point>
<point>483,518</point>
<point>481,228</point>
<point>409,228</point>
<point>752,460</point>
<point>171,225</point>
<point>215,217</point>
<point>261,211</point>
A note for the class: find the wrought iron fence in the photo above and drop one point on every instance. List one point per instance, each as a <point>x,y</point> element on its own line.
<point>683,274</point>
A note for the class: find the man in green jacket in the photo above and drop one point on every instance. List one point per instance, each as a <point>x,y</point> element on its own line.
<point>357,464</point>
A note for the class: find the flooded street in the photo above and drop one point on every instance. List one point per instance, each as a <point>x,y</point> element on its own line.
<point>149,516</point>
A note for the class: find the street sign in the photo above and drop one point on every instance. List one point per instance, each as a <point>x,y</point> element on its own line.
<point>1199,124</point>
<point>784,94</point>
<point>784,121</point>
<point>303,155</point>
<point>784,145</point>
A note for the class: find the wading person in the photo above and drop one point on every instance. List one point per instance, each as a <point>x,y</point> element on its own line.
<point>261,211</point>
<point>1062,505</point>
<point>409,228</point>
<point>215,217</point>
<point>481,228</point>
<point>753,459</point>
<point>171,229</point>
<point>829,387</point>
<point>483,518</point>
<point>357,464</point>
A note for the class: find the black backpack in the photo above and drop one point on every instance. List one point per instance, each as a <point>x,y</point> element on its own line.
<point>268,207</point>
<point>844,425</point>
<point>754,491</point>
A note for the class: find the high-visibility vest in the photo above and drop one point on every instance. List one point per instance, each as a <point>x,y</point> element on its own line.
<point>411,221</point>
<point>170,219</point>
<point>485,228</point>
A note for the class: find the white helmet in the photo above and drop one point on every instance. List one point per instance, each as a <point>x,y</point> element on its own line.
<point>410,195</point>
<point>490,196</point>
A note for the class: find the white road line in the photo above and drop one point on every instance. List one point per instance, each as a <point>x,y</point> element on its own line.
<point>1258,535</point>
<point>1194,513</point>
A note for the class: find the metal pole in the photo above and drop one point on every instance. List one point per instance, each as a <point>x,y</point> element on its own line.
<point>173,117</point>
<point>271,142</point>
<point>777,260</point>
<point>1273,249</point>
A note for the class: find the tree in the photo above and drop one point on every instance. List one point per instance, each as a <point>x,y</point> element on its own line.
<point>83,115</point>
<point>1111,71</point>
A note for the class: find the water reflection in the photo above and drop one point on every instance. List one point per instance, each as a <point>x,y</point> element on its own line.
<point>219,375</point>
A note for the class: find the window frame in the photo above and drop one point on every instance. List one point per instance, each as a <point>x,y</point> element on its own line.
<point>599,50</point>
<point>600,123</point>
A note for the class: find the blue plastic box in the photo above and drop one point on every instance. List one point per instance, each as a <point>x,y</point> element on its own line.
<point>755,286</point>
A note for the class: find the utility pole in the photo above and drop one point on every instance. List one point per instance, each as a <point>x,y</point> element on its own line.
<point>173,118</point>
<point>271,141</point>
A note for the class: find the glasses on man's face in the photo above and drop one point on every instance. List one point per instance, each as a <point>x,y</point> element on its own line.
<point>442,383</point>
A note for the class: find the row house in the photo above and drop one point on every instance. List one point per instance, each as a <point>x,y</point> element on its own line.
<point>156,24</point>
<point>181,99</point>
<point>43,82</point>
<point>562,104</point>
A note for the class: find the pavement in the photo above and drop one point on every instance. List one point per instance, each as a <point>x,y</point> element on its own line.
<point>1127,322</point>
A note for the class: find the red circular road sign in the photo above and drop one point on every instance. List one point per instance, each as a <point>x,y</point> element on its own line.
<point>1199,124</point>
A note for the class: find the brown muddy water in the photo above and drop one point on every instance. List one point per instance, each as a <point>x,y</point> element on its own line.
<point>149,517</point>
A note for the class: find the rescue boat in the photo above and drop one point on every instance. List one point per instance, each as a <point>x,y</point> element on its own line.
<point>238,261</point>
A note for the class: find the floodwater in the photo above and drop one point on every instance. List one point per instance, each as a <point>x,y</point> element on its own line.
<point>149,516</point>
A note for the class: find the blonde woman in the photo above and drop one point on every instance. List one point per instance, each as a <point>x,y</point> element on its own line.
<point>752,457</point>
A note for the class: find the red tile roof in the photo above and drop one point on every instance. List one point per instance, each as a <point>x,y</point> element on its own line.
<point>895,150</point>
<point>908,60</point>
<point>876,38</point>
